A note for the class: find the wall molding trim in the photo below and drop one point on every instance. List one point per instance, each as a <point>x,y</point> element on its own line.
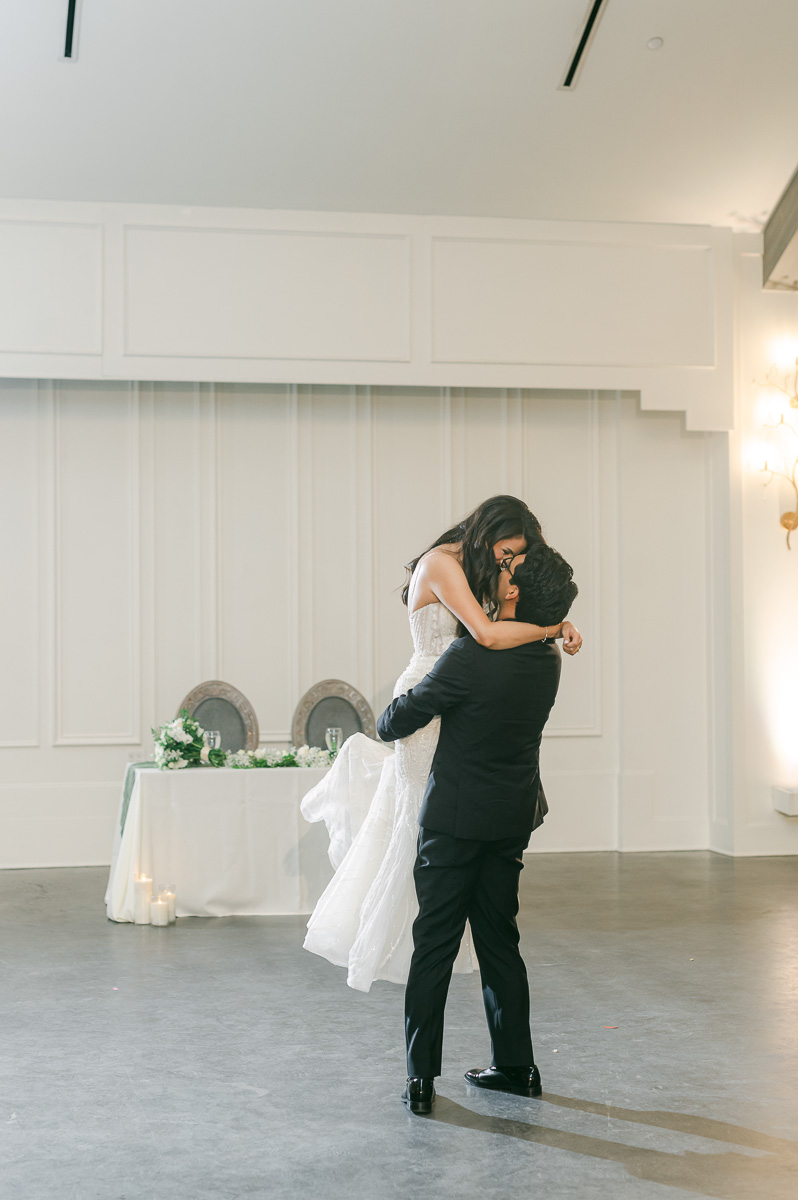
<point>387,288</point>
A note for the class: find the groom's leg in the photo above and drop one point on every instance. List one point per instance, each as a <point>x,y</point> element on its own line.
<point>505,990</point>
<point>445,872</point>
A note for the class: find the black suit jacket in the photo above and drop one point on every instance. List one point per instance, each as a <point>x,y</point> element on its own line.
<point>485,779</point>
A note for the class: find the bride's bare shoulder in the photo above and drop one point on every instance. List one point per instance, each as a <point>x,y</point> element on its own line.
<point>432,568</point>
<point>440,558</point>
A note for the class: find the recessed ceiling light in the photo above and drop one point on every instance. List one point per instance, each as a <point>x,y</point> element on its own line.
<point>655,43</point>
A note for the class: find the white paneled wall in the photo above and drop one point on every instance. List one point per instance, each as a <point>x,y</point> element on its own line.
<point>261,293</point>
<point>96,565</point>
<point>157,292</point>
<point>665,615</point>
<point>160,534</point>
<point>19,554</point>
<point>51,295</point>
<point>513,300</point>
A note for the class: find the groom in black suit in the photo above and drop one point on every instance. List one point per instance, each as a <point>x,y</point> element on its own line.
<point>483,799</point>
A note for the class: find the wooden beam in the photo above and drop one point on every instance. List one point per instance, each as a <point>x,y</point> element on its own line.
<point>781,228</point>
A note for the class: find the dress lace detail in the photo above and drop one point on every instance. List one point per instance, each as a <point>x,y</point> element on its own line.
<point>433,628</point>
<point>370,801</point>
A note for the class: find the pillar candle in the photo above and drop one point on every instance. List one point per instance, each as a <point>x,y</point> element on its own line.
<point>159,912</point>
<point>170,896</point>
<point>143,899</point>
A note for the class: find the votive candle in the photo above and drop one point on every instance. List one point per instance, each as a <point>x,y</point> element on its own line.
<point>159,912</point>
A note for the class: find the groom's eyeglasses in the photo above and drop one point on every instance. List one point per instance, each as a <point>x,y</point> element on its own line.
<point>506,562</point>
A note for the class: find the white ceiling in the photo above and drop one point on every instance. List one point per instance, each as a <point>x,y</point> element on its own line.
<point>415,106</point>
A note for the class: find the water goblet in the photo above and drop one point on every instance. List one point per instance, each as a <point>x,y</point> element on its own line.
<point>334,737</point>
<point>212,740</point>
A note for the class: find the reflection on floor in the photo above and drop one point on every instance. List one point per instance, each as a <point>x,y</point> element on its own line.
<point>216,1059</point>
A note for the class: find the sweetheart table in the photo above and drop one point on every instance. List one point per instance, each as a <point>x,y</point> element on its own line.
<point>233,842</point>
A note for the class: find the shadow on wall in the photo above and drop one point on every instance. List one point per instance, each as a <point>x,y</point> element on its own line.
<point>729,1175</point>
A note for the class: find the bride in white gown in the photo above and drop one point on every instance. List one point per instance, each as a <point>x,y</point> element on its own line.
<point>371,798</point>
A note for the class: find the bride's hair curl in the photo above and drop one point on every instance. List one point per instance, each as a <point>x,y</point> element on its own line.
<point>494,519</point>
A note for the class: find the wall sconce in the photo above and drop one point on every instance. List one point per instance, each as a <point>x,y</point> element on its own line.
<point>780,404</point>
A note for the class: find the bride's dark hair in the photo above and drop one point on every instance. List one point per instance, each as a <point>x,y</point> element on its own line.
<point>494,519</point>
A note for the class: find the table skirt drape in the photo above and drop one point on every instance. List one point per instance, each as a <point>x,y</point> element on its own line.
<point>233,842</point>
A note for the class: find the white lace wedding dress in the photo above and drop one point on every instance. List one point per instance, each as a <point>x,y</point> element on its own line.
<point>370,801</point>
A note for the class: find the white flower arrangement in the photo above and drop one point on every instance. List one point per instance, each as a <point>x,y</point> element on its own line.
<point>296,756</point>
<point>179,744</point>
<point>237,758</point>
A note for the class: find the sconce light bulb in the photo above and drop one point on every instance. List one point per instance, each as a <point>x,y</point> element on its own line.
<point>760,458</point>
<point>784,353</point>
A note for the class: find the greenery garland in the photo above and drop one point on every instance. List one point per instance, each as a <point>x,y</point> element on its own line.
<point>180,744</point>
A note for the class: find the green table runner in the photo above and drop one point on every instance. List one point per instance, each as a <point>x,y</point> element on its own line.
<point>127,789</point>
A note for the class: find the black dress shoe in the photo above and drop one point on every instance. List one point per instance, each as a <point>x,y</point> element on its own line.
<point>419,1095</point>
<point>521,1081</point>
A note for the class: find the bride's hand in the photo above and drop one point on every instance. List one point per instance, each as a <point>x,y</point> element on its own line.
<point>571,638</point>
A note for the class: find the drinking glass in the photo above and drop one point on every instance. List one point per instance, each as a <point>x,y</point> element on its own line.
<point>334,738</point>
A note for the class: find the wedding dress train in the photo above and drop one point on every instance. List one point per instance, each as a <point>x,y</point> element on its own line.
<point>370,801</point>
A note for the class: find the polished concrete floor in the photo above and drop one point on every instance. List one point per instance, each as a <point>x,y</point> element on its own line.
<point>216,1059</point>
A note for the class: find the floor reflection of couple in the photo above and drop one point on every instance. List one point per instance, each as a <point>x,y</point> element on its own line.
<point>769,1174</point>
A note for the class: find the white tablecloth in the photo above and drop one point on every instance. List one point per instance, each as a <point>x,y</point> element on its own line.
<point>231,841</point>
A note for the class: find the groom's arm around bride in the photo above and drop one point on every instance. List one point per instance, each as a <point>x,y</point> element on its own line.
<point>482,801</point>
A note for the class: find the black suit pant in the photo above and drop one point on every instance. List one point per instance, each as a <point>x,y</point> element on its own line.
<point>457,880</point>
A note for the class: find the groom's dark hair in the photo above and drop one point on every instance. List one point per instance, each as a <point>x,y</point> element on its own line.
<point>546,588</point>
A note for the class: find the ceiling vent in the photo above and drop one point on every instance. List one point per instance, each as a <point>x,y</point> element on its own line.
<point>70,37</point>
<point>585,38</point>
